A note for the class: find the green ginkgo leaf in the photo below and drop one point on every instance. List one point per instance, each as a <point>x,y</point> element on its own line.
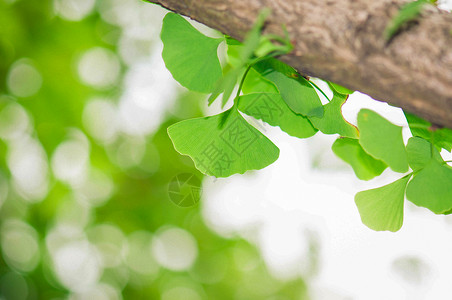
<point>431,187</point>
<point>223,144</point>
<point>382,208</point>
<point>296,91</point>
<point>420,152</point>
<point>383,140</point>
<point>418,126</point>
<point>255,83</point>
<point>339,89</point>
<point>365,166</point>
<point>272,109</point>
<point>190,56</point>
<point>333,121</point>
<point>441,137</point>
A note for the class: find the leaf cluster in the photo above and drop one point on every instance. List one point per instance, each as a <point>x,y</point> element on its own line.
<point>271,91</point>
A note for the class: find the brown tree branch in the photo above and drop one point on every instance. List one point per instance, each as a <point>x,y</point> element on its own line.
<point>342,41</point>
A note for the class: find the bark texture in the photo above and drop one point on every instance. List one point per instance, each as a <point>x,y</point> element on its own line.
<point>342,41</point>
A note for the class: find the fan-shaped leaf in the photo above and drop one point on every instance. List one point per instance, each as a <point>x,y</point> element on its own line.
<point>383,140</point>
<point>190,56</point>
<point>431,187</point>
<point>272,109</point>
<point>420,152</point>
<point>223,144</point>
<point>365,166</point>
<point>382,208</point>
<point>332,121</point>
<point>296,91</point>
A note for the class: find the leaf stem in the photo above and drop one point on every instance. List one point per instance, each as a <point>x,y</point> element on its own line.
<point>320,90</point>
<point>242,81</point>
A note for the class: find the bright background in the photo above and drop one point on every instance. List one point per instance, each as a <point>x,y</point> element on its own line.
<point>85,164</point>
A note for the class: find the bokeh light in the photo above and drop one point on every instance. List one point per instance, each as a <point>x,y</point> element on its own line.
<point>99,67</point>
<point>24,80</point>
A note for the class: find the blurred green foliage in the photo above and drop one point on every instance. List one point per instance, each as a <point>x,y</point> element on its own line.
<point>97,236</point>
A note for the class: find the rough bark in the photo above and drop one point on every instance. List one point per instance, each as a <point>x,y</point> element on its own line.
<point>342,41</point>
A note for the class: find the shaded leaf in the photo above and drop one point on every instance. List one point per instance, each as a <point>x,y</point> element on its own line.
<point>441,138</point>
<point>418,126</point>
<point>431,187</point>
<point>365,166</point>
<point>190,56</point>
<point>272,109</point>
<point>382,208</point>
<point>382,139</point>
<point>223,144</point>
<point>296,91</point>
<point>255,83</point>
<point>226,85</point>
<point>420,152</point>
<point>333,121</point>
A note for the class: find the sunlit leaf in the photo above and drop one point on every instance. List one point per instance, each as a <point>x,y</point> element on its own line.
<point>420,152</point>
<point>190,56</point>
<point>382,208</point>
<point>382,139</point>
<point>223,144</point>
<point>431,187</point>
<point>340,89</point>
<point>296,91</point>
<point>365,166</point>
<point>272,109</point>
<point>233,52</point>
<point>332,121</point>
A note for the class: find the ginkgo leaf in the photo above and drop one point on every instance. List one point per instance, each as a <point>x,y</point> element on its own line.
<point>418,127</point>
<point>365,166</point>
<point>441,138</point>
<point>272,109</point>
<point>332,121</point>
<point>339,89</point>
<point>255,83</point>
<point>223,144</point>
<point>296,91</point>
<point>420,152</point>
<point>382,139</point>
<point>190,56</point>
<point>431,187</point>
<point>382,208</point>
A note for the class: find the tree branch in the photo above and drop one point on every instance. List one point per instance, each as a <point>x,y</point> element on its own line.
<point>342,41</point>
